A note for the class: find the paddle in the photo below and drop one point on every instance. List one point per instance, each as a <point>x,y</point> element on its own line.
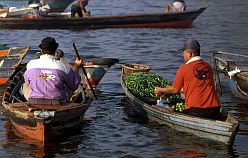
<point>76,51</point>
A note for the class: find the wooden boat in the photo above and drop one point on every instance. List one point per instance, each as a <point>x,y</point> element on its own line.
<point>238,82</point>
<point>217,130</point>
<point>152,20</point>
<point>43,122</point>
<point>18,12</point>
<point>9,62</point>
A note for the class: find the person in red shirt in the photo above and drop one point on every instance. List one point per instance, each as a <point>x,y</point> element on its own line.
<point>195,79</point>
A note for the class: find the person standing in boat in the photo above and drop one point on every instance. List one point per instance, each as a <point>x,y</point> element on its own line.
<point>79,7</point>
<point>176,6</point>
<point>195,79</point>
<point>49,80</point>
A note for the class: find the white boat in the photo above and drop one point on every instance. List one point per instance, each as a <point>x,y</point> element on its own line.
<point>55,5</point>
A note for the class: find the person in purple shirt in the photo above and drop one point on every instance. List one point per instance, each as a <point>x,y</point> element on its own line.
<point>49,78</point>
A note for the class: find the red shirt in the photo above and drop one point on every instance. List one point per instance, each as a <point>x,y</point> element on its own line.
<point>196,79</point>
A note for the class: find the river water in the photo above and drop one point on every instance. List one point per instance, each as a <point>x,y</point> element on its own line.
<point>110,129</point>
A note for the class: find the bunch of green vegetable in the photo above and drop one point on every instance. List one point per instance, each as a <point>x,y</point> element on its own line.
<point>142,84</point>
<point>179,106</point>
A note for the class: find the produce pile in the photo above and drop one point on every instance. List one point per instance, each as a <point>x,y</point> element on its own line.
<point>142,84</point>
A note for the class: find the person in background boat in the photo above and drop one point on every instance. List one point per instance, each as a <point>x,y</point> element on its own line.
<point>34,1</point>
<point>195,79</point>
<point>40,8</point>
<point>78,7</point>
<point>176,6</point>
<point>50,80</point>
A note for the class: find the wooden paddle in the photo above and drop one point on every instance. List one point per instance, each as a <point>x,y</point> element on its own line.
<point>76,51</point>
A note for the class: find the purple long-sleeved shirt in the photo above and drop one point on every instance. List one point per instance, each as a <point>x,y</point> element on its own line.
<point>50,78</point>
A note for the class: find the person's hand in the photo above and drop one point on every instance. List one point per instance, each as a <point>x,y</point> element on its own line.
<point>158,91</point>
<point>79,63</point>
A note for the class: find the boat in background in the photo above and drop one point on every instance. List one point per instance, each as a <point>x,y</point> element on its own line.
<point>33,7</point>
<point>64,21</point>
<point>55,5</point>
<point>237,74</point>
<point>19,12</point>
<point>10,59</point>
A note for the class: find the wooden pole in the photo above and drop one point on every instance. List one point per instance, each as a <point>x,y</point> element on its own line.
<point>232,54</point>
<point>84,71</point>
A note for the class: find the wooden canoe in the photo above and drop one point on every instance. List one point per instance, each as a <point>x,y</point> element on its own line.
<point>152,20</point>
<point>43,122</point>
<point>238,83</point>
<point>221,131</point>
<point>9,61</point>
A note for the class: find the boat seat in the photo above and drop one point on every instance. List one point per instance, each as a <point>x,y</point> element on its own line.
<point>42,101</point>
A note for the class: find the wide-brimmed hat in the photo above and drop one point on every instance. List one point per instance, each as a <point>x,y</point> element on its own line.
<point>48,44</point>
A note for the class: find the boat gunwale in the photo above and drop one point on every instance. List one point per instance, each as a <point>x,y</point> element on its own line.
<point>188,118</point>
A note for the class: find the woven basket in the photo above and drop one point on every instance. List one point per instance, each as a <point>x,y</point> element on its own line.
<point>131,68</point>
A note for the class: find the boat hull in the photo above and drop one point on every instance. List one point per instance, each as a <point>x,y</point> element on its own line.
<point>156,20</point>
<point>43,121</point>
<point>221,131</point>
<point>44,129</point>
<point>95,74</point>
<point>238,83</point>
<point>242,80</point>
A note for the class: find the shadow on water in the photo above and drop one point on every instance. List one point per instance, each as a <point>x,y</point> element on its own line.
<point>132,115</point>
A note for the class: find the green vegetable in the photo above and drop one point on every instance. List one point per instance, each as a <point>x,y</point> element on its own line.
<point>142,84</point>
<point>179,107</point>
